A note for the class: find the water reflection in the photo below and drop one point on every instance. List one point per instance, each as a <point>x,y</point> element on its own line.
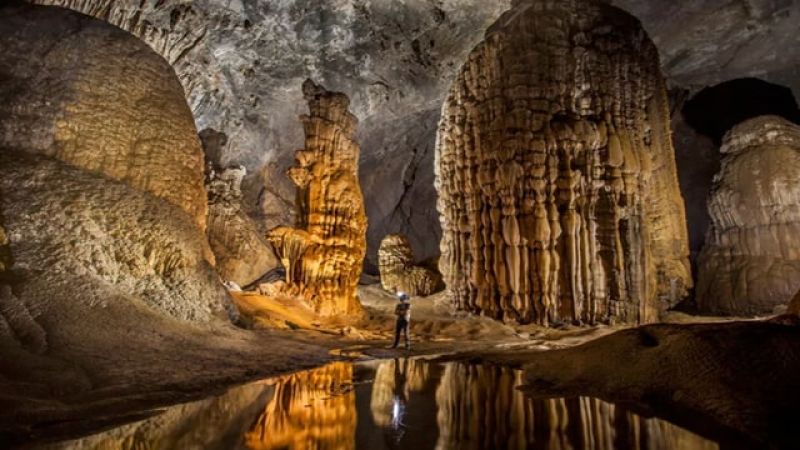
<point>395,404</point>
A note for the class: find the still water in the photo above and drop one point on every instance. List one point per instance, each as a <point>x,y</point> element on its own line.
<point>393,404</point>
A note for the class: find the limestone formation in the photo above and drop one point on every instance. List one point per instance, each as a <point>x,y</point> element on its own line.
<point>118,110</point>
<point>555,169</point>
<point>323,255</point>
<point>398,272</point>
<point>242,253</point>
<point>750,264</point>
<point>101,192</point>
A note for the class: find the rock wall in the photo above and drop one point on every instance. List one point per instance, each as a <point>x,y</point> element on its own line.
<point>100,166</point>
<point>70,116</point>
<point>324,254</point>
<point>750,264</point>
<point>558,191</point>
<point>398,271</point>
<point>243,254</point>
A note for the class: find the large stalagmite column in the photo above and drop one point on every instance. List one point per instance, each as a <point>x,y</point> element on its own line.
<point>323,255</point>
<point>558,193</point>
<point>750,264</point>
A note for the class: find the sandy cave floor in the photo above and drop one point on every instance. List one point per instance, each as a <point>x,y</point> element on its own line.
<point>98,386</point>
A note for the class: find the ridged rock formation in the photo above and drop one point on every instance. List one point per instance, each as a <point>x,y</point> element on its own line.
<point>313,409</point>
<point>242,253</point>
<point>75,121</point>
<point>558,191</point>
<point>750,263</point>
<point>398,272</point>
<point>101,162</point>
<point>323,255</point>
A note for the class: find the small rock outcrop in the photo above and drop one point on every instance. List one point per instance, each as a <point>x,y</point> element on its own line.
<point>398,271</point>
<point>324,254</point>
<point>558,193</point>
<point>750,264</point>
<point>243,255</point>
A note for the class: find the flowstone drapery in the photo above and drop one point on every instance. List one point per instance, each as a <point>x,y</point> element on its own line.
<point>323,255</point>
<point>557,185</point>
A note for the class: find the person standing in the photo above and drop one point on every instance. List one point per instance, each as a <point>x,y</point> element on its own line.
<point>403,313</point>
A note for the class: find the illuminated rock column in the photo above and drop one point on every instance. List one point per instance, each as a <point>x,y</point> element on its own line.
<point>558,193</point>
<point>323,255</point>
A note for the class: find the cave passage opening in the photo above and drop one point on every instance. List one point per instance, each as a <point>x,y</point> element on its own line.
<point>716,109</point>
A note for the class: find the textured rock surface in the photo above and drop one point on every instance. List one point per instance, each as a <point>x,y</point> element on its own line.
<point>557,183</point>
<point>77,237</point>
<point>750,263</point>
<point>241,63</point>
<point>243,255</point>
<point>699,376</point>
<point>324,255</point>
<point>118,109</point>
<point>398,271</point>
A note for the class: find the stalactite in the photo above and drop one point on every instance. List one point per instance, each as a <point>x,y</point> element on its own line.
<point>398,271</point>
<point>750,264</point>
<point>558,193</point>
<point>323,255</point>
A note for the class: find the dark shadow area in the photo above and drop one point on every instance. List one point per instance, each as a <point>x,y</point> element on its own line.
<point>717,109</point>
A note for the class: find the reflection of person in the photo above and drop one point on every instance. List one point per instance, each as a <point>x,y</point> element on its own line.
<point>403,313</point>
<point>394,434</point>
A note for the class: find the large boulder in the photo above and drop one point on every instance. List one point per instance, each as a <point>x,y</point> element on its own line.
<point>95,97</point>
<point>750,264</point>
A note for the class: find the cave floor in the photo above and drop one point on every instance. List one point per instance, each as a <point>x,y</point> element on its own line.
<point>108,382</point>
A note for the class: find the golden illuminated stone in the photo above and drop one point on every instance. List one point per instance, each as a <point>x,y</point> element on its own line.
<point>309,410</point>
<point>323,255</point>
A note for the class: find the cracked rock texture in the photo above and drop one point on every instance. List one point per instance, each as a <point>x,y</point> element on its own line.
<point>323,256</point>
<point>243,254</point>
<point>750,263</point>
<point>557,185</point>
<point>61,100</point>
<point>241,63</point>
<point>398,271</point>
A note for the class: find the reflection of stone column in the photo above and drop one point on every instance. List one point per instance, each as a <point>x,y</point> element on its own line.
<point>480,407</point>
<point>323,256</point>
<point>393,379</point>
<point>398,272</point>
<point>558,192</point>
<point>310,410</point>
<point>750,263</point>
